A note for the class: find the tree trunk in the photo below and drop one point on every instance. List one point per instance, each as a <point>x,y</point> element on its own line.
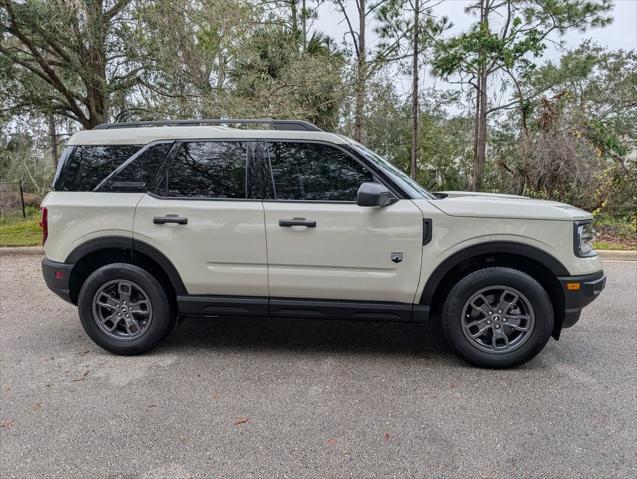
<point>480,150</point>
<point>476,130</point>
<point>361,74</point>
<point>295,19</point>
<point>95,62</point>
<point>53,138</point>
<point>304,25</point>
<point>414,95</point>
<point>481,142</point>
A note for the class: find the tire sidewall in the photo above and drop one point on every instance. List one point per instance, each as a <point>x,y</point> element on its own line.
<point>162,320</point>
<point>473,282</point>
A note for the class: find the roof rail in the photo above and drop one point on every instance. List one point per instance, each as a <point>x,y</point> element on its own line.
<point>296,125</point>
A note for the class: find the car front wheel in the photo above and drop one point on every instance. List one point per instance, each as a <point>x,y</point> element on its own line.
<point>498,317</point>
<point>124,309</point>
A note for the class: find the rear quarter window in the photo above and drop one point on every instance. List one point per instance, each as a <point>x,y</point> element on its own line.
<point>138,174</point>
<point>87,165</point>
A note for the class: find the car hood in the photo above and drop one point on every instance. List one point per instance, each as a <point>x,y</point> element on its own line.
<point>497,205</point>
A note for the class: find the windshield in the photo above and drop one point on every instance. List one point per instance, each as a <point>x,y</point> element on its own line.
<point>411,186</point>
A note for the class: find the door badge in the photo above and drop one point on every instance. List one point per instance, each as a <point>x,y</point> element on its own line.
<point>396,257</point>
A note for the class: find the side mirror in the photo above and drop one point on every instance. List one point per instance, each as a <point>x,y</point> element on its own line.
<point>374,194</point>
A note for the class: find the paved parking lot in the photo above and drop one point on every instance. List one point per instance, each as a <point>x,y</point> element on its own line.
<point>256,398</point>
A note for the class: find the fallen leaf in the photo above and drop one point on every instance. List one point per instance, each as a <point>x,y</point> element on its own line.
<point>331,442</point>
<point>6,423</point>
<point>452,386</point>
<point>81,378</point>
<point>215,397</point>
<point>386,437</point>
<point>7,387</point>
<point>37,406</point>
<point>241,420</point>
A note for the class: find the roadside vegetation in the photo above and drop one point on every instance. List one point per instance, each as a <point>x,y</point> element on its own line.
<point>18,231</point>
<point>507,120</point>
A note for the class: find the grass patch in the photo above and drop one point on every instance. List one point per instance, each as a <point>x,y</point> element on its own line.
<point>616,232</point>
<point>613,246</point>
<point>17,231</point>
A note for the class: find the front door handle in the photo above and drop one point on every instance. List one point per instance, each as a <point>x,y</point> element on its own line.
<point>160,220</point>
<point>298,222</point>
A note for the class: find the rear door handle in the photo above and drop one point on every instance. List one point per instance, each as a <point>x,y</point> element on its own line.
<point>160,220</point>
<point>298,222</point>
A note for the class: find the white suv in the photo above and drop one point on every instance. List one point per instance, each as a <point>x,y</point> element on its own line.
<point>151,221</point>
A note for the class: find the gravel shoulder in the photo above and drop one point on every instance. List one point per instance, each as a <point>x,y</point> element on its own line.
<point>264,398</point>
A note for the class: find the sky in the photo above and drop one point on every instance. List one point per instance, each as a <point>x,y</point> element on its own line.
<point>620,34</point>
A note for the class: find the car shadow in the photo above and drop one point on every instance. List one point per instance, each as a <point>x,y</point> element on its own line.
<point>261,334</point>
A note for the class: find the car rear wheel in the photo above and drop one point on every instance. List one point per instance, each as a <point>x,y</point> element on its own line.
<point>498,317</point>
<point>124,309</point>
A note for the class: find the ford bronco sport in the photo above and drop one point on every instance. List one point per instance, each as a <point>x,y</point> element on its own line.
<point>151,221</point>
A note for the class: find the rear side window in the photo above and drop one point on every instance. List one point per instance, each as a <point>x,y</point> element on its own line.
<point>207,169</point>
<point>315,172</point>
<point>137,175</point>
<point>88,165</point>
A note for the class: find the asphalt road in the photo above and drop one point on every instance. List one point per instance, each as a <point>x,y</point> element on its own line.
<point>256,398</point>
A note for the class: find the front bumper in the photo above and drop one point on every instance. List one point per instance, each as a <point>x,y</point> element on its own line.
<point>580,291</point>
<point>57,277</point>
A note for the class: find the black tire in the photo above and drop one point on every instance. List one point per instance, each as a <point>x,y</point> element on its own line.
<point>162,317</point>
<point>529,345</point>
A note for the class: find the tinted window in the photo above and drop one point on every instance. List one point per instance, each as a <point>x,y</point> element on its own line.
<point>308,171</point>
<point>209,169</point>
<point>137,175</point>
<point>87,166</point>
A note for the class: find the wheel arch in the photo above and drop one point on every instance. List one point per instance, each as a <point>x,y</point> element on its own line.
<point>538,264</point>
<point>98,252</point>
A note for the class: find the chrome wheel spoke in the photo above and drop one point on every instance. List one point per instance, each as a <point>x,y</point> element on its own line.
<point>132,326</point>
<point>517,327</point>
<point>504,305</point>
<point>476,323</point>
<point>484,307</point>
<point>136,307</point>
<point>114,320</point>
<point>497,335</point>
<point>124,290</point>
<point>480,332</point>
<point>107,301</point>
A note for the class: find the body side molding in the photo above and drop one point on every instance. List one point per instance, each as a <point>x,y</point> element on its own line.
<point>300,308</point>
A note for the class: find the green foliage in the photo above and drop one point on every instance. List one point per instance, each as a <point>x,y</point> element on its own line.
<point>565,130</point>
<point>17,231</point>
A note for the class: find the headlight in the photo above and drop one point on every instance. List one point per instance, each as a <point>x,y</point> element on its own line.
<point>583,239</point>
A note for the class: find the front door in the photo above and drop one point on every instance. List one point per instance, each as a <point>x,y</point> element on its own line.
<point>321,244</point>
<point>203,218</point>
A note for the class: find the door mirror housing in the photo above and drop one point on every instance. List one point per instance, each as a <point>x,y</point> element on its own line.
<point>374,194</point>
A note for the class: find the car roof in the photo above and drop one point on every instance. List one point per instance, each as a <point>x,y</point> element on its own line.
<point>144,135</point>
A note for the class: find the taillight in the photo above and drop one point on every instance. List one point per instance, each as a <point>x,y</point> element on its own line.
<point>44,224</point>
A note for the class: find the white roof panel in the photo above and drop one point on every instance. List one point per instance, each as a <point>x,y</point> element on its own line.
<point>144,135</point>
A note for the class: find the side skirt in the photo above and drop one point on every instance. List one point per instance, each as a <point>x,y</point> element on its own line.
<point>297,308</point>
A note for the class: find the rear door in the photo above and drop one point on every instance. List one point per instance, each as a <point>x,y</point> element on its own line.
<point>321,244</point>
<point>205,218</point>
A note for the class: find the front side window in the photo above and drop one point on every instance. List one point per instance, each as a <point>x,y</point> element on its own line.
<point>315,172</point>
<point>207,169</point>
<point>87,165</point>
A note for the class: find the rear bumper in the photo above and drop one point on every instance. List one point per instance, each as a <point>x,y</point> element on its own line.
<point>57,276</point>
<point>580,291</point>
